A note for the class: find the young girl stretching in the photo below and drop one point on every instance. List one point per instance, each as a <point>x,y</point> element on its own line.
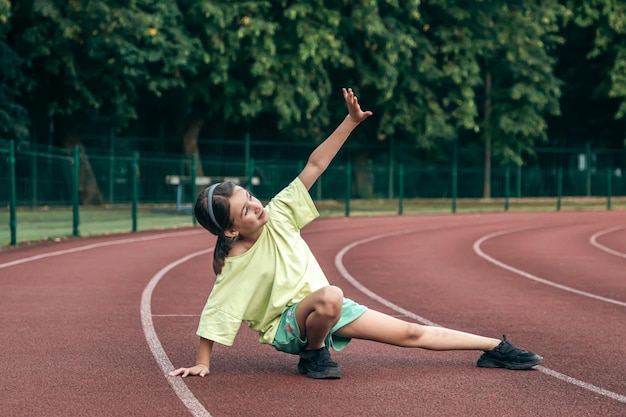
<point>268,277</point>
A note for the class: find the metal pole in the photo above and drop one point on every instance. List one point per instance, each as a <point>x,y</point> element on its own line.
<point>588,156</point>
<point>559,188</point>
<point>13,216</point>
<point>246,157</point>
<point>391,163</point>
<point>400,189</point>
<point>507,176</point>
<point>250,175</point>
<point>34,176</point>
<point>609,187</point>
<point>518,178</point>
<point>518,182</point>
<point>194,167</point>
<point>135,179</point>
<point>111,164</point>
<point>76,194</point>
<point>348,187</point>
<point>455,174</point>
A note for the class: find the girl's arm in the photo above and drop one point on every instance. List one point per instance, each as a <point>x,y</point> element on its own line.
<point>203,361</point>
<point>326,151</point>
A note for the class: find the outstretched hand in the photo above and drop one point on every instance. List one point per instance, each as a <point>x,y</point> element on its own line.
<point>199,370</point>
<point>354,109</point>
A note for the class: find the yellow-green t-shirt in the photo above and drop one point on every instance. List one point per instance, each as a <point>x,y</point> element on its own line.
<point>278,271</point>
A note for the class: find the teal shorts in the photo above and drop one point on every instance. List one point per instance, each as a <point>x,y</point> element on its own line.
<point>288,339</point>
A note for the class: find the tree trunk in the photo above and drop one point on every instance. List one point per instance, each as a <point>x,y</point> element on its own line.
<point>88,189</point>
<point>487,137</point>
<point>190,144</point>
<point>363,186</point>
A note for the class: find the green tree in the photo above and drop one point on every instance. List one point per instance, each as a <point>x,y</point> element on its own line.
<point>264,65</point>
<point>448,66</point>
<point>92,58</point>
<point>521,89</point>
<point>13,116</point>
<point>593,65</point>
<point>508,45</point>
<point>396,62</point>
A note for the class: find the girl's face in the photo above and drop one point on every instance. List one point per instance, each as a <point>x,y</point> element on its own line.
<point>246,211</point>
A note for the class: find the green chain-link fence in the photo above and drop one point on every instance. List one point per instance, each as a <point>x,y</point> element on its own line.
<point>64,189</point>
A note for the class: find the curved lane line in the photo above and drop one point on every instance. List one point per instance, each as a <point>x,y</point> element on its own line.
<point>180,388</point>
<point>532,277</point>
<point>346,275</point>
<point>344,272</point>
<point>94,246</point>
<point>594,241</point>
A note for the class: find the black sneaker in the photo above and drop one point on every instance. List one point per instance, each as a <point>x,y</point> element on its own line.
<point>317,364</point>
<point>507,355</point>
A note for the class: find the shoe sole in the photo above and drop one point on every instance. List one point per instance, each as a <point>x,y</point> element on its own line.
<point>494,363</point>
<point>326,374</point>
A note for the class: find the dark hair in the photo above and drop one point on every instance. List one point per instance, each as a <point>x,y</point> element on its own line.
<point>221,212</point>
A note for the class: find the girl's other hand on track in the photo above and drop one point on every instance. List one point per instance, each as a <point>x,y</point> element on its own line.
<point>197,370</point>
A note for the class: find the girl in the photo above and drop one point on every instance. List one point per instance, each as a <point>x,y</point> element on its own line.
<point>268,277</point>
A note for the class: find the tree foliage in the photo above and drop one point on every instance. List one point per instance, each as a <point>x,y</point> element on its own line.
<point>592,66</point>
<point>13,116</point>
<point>93,57</point>
<point>430,70</point>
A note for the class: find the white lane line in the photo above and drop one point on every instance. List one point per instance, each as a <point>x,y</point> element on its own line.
<point>594,241</point>
<point>582,384</point>
<point>348,277</point>
<point>532,277</point>
<point>180,388</point>
<point>94,246</point>
<point>344,272</point>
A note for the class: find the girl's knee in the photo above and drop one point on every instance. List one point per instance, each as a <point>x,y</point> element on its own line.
<point>413,332</point>
<point>330,301</point>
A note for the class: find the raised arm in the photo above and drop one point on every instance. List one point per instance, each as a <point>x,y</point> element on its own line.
<point>326,151</point>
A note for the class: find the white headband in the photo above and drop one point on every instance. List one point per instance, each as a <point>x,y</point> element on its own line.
<point>210,205</point>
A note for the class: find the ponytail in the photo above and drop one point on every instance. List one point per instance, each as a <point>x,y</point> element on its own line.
<point>222,247</point>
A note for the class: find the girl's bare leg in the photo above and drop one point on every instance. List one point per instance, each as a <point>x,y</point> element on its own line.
<point>379,327</point>
<point>318,313</point>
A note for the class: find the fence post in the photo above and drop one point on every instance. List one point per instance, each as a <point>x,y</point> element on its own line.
<point>348,187</point>
<point>194,188</point>
<point>400,188</point>
<point>76,194</point>
<point>391,165</point>
<point>455,175</point>
<point>13,216</point>
<point>588,167</point>
<point>111,164</point>
<point>135,179</point>
<point>609,188</point>
<point>246,151</point>
<point>559,187</point>
<point>507,177</point>
<point>518,177</point>
<point>250,174</point>
<point>34,175</point>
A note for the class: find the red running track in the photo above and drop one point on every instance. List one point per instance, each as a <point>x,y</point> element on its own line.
<point>90,327</point>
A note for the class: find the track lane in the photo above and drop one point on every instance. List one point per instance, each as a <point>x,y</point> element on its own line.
<point>75,317</point>
<point>434,366</point>
<point>71,341</point>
